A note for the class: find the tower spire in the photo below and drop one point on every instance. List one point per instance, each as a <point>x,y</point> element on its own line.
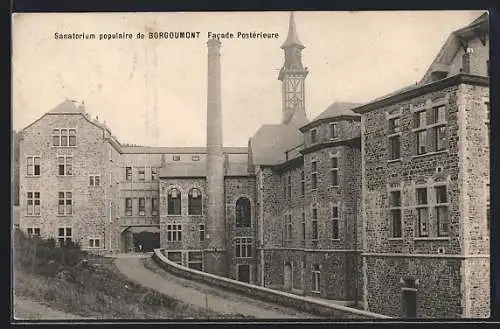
<point>292,39</point>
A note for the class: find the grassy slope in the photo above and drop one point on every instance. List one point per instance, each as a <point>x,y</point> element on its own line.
<point>57,277</point>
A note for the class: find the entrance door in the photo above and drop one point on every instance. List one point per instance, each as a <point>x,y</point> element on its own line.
<point>287,277</point>
<point>409,303</point>
<point>244,273</point>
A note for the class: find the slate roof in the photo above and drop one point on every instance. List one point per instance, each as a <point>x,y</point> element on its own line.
<point>292,37</point>
<point>180,150</point>
<point>270,143</point>
<point>67,107</point>
<point>338,109</point>
<point>184,169</point>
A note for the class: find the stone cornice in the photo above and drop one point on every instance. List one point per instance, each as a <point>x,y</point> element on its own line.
<point>354,142</point>
<point>315,123</point>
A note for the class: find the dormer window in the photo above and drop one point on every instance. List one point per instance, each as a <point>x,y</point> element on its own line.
<point>314,137</point>
<point>333,131</point>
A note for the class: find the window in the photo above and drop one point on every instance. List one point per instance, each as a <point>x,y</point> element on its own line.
<point>65,203</point>
<point>316,278</point>
<point>175,256</point>
<point>314,223</point>
<point>174,232</point>
<point>333,131</point>
<point>288,227</point>
<point>64,235</point>
<point>420,119</point>
<point>128,173</point>
<point>65,164</point>
<point>395,213</point>
<point>313,136</point>
<point>303,226</point>
<point>314,175</point>
<point>195,202</point>
<point>439,138</point>
<point>94,180</point>
<point>422,142</point>
<point>141,173</point>
<point>289,185</point>
<point>33,232</point>
<point>33,166</point>
<point>394,125</point>
<point>176,157</point>
<point>33,203</point>
<point>195,158</point>
<point>243,247</point>
<point>195,260</point>
<point>442,218</point>
<point>154,173</point>
<point>334,171</point>
<point>466,62</point>
<point>422,215</point>
<point>438,114</point>
<point>128,206</point>
<point>64,137</point>
<point>202,232</point>
<point>142,206</point>
<point>302,183</point>
<point>243,213</point>
<point>154,206</point>
<point>394,147</point>
<point>335,223</point>
<point>174,202</point>
<point>94,243</point>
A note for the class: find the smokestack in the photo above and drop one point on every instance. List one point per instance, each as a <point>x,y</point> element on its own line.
<point>215,259</point>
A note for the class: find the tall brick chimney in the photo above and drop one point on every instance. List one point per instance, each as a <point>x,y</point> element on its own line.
<point>215,257</point>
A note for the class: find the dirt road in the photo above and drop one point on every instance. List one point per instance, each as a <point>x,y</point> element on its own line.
<point>202,295</point>
<point>25,309</point>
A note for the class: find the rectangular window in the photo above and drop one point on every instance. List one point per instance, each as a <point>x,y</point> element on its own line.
<point>141,172</point>
<point>439,138</point>
<point>289,186</point>
<point>175,256</point>
<point>302,183</point>
<point>333,131</point>
<point>438,114</point>
<point>419,119</point>
<point>395,213</point>
<point>64,137</point>
<point>33,232</point>
<point>195,260</point>
<point>243,247</point>
<point>33,166</point>
<point>64,235</point>
<point>128,206</point>
<point>174,232</point>
<point>65,204</point>
<point>422,142</point>
<point>335,223</point>
<point>195,158</point>
<point>422,214</point>
<point>176,157</point>
<point>288,227</point>
<point>202,232</point>
<point>394,147</point>
<point>128,173</point>
<point>65,165</point>
<point>154,206</point>
<point>316,278</point>
<point>94,180</point>
<point>154,173</point>
<point>142,206</point>
<point>94,243</point>
<point>313,136</point>
<point>334,171</point>
<point>314,175</point>
<point>441,211</point>
<point>314,224</point>
<point>394,125</point>
<point>33,204</point>
<point>303,226</point>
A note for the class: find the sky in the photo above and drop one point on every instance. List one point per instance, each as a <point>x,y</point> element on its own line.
<point>153,92</point>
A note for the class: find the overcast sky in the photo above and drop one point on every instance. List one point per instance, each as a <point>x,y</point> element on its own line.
<point>142,86</point>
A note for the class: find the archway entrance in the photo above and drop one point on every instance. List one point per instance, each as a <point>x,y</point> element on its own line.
<point>140,239</point>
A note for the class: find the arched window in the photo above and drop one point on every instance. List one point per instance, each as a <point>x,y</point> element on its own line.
<point>243,214</point>
<point>195,202</point>
<point>174,202</point>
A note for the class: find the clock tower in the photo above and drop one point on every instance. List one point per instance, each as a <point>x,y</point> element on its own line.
<point>292,76</point>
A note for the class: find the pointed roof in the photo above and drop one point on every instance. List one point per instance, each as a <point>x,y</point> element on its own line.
<point>67,107</point>
<point>338,109</point>
<point>292,39</point>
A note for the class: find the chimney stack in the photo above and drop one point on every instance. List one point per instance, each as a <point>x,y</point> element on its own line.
<point>215,209</point>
